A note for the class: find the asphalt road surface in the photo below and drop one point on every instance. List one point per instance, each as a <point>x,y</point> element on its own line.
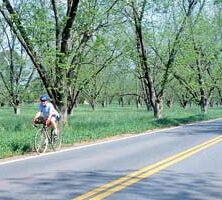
<point>180,163</point>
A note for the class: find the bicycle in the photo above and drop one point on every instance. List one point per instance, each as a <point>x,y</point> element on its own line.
<point>46,137</point>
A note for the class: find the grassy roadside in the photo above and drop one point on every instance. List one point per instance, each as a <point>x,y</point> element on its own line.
<point>17,133</point>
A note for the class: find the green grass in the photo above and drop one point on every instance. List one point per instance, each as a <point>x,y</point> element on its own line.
<point>17,133</point>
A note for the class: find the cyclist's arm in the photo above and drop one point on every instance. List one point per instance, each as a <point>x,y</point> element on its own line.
<point>49,117</point>
<point>48,120</point>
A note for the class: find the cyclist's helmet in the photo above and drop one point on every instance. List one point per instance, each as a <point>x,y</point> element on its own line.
<point>44,97</point>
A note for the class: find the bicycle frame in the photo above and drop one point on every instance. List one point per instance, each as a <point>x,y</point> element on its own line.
<point>45,139</point>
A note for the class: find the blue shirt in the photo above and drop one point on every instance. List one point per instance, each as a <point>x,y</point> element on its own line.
<point>48,110</point>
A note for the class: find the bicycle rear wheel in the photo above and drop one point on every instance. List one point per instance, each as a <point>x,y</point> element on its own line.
<point>56,141</point>
<point>41,142</point>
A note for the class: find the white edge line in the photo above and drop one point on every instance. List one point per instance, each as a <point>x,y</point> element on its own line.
<point>104,142</point>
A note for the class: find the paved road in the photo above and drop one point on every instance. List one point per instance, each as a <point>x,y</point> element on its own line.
<point>196,173</point>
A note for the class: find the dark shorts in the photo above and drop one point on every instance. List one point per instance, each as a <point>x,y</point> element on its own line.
<point>57,117</point>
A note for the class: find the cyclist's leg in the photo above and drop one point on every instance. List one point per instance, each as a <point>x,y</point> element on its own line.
<point>54,124</point>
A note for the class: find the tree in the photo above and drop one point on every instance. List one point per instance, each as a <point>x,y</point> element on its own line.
<point>163,60</point>
<point>16,72</point>
<point>199,69</point>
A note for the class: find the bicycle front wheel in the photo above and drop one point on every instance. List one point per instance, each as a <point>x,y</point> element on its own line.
<point>41,141</point>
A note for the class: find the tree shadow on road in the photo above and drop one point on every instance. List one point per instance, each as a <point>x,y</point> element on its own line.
<point>68,185</point>
<point>210,128</point>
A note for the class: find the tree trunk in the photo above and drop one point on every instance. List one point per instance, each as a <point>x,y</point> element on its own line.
<point>93,104</point>
<point>72,101</point>
<point>204,103</point>
<point>184,104</point>
<point>71,113</point>
<point>121,102</point>
<point>17,109</point>
<point>158,109</point>
<point>64,115</point>
<point>103,103</point>
<point>138,102</point>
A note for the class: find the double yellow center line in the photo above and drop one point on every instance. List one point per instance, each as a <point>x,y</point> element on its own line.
<point>132,178</point>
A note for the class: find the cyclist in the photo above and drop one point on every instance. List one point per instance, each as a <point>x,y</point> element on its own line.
<point>47,114</point>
